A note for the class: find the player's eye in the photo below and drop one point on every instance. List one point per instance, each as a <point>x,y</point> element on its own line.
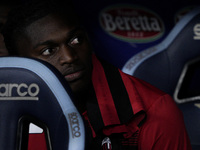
<point>47,51</point>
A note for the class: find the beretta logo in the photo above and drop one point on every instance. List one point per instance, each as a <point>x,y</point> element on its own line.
<point>131,23</point>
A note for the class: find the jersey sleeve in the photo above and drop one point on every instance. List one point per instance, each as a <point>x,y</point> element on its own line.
<point>164,127</point>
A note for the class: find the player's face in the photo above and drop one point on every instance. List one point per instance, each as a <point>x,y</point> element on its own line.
<point>62,43</point>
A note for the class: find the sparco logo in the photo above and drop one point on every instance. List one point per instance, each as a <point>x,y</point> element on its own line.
<point>196,30</point>
<point>131,23</point>
<point>14,91</point>
<point>74,123</point>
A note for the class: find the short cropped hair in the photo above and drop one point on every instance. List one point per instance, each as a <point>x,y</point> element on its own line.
<point>26,13</point>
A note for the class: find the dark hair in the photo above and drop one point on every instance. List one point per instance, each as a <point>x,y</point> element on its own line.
<point>26,13</point>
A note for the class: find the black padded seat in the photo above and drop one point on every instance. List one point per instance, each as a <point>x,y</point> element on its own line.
<point>161,65</point>
<point>32,91</point>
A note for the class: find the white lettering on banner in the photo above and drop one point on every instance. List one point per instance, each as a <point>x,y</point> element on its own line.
<point>23,91</point>
<point>140,23</point>
<point>74,123</point>
<point>196,30</point>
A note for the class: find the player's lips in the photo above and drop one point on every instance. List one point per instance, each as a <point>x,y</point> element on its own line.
<point>74,75</point>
